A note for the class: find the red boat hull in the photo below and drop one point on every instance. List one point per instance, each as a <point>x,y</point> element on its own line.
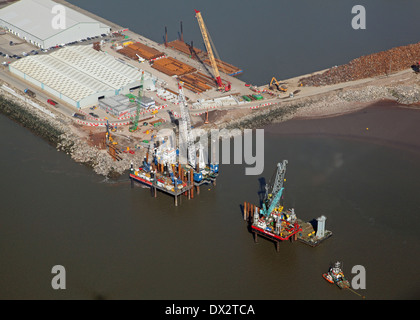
<point>273,235</point>
<point>141,180</point>
<point>325,276</point>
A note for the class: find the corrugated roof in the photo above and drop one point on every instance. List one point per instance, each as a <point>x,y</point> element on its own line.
<point>78,71</point>
<point>35,16</point>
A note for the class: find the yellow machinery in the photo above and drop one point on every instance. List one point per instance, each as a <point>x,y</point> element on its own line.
<point>206,38</point>
<point>279,87</point>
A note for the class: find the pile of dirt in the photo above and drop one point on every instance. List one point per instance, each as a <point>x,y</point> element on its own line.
<point>376,64</point>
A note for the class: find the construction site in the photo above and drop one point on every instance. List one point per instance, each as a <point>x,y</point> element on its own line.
<point>120,89</point>
<point>277,224</point>
<point>165,169</point>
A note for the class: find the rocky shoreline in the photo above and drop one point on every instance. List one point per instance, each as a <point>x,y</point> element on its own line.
<point>72,138</point>
<point>333,103</point>
<point>63,134</point>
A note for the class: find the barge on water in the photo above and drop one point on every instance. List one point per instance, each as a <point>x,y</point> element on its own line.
<point>168,175</point>
<point>274,223</point>
<point>166,172</point>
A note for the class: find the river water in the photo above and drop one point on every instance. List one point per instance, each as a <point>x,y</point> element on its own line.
<point>116,242</point>
<point>359,170</point>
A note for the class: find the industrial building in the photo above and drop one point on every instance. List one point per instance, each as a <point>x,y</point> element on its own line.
<point>121,104</point>
<point>118,105</point>
<point>32,20</point>
<point>79,75</point>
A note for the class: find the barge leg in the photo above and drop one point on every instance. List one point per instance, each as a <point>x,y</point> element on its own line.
<point>189,183</point>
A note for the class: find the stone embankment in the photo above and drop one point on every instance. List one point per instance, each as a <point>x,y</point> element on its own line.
<point>73,139</point>
<point>64,134</point>
<point>332,103</point>
<point>369,66</point>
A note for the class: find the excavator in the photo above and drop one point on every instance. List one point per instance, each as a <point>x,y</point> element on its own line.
<point>279,87</point>
<point>416,67</point>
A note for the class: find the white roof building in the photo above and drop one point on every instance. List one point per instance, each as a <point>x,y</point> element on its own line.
<point>39,22</point>
<point>78,75</point>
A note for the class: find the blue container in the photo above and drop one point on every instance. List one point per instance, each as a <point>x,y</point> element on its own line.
<point>198,177</point>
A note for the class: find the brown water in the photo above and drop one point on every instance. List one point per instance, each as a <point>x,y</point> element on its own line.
<point>269,38</point>
<point>120,243</point>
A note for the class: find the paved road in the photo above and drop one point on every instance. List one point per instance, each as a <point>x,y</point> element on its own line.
<point>41,96</point>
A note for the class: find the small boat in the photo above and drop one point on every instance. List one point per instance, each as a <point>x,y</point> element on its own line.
<point>336,275</point>
<point>328,277</point>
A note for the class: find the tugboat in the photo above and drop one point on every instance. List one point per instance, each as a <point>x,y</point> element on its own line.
<point>335,275</point>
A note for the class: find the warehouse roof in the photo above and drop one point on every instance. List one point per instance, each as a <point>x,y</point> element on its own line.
<point>35,17</point>
<point>78,71</point>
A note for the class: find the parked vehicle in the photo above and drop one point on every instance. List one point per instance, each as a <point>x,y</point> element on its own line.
<point>53,103</point>
<point>30,93</point>
<point>79,116</point>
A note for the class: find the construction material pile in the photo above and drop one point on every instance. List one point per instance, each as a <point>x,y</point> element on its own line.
<point>225,67</point>
<point>172,67</point>
<point>376,64</point>
<point>142,50</point>
<point>197,82</point>
<point>182,47</point>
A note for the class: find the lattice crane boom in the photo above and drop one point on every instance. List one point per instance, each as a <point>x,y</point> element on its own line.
<point>278,183</point>
<point>206,39</point>
<point>136,118</point>
<point>185,127</point>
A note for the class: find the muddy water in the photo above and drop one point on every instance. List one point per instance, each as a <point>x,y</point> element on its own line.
<point>116,242</point>
<point>269,38</point>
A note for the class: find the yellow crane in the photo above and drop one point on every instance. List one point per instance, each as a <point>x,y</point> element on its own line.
<point>206,38</point>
